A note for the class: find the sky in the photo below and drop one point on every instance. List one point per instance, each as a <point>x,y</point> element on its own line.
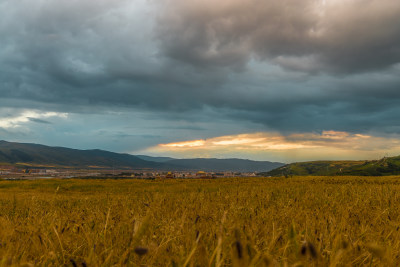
<point>288,80</point>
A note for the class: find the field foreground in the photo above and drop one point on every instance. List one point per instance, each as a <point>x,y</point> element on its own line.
<point>299,221</point>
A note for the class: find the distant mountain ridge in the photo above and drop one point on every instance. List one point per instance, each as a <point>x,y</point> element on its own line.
<point>155,159</point>
<point>213,164</point>
<point>11,152</point>
<point>235,165</point>
<point>41,155</point>
<point>384,166</point>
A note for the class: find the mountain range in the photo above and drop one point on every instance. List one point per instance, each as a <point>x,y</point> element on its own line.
<point>35,155</point>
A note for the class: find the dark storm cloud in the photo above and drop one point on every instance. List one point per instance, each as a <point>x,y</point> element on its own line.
<point>185,58</point>
<point>90,53</point>
<point>306,35</point>
<point>38,120</point>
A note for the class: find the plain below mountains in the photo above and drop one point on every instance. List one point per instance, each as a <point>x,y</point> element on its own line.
<point>35,155</point>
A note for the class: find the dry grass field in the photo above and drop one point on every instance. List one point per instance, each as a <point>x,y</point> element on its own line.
<point>298,221</point>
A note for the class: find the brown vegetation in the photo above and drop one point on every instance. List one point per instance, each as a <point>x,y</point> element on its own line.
<point>300,221</point>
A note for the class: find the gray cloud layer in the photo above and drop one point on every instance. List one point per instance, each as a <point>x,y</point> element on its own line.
<point>305,35</point>
<point>293,65</point>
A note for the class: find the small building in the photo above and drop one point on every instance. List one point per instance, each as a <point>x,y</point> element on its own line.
<point>203,175</point>
<point>169,175</point>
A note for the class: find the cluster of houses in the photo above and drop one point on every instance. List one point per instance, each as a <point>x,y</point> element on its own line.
<point>15,172</point>
<point>27,172</point>
<point>190,175</point>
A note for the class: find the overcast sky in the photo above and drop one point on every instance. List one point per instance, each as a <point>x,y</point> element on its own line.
<point>281,80</point>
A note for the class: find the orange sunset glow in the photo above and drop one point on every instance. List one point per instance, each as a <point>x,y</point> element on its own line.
<point>333,144</point>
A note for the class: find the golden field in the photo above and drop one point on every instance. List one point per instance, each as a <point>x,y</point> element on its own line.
<point>298,221</point>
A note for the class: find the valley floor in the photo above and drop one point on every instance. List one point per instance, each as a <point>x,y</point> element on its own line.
<point>308,221</point>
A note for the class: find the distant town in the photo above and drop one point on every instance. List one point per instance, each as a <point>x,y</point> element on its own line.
<point>10,172</point>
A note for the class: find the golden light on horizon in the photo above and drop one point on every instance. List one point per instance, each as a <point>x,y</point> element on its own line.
<point>310,146</point>
<point>195,143</point>
<point>238,141</point>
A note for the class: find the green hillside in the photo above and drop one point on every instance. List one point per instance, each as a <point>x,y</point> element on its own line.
<point>385,166</point>
<point>40,155</point>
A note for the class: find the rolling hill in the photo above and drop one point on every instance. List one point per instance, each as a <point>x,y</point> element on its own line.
<point>33,154</point>
<point>384,166</point>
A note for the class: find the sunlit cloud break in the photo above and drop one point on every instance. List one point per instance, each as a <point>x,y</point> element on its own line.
<point>242,141</point>
<point>195,143</point>
<point>328,144</point>
<point>15,121</point>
